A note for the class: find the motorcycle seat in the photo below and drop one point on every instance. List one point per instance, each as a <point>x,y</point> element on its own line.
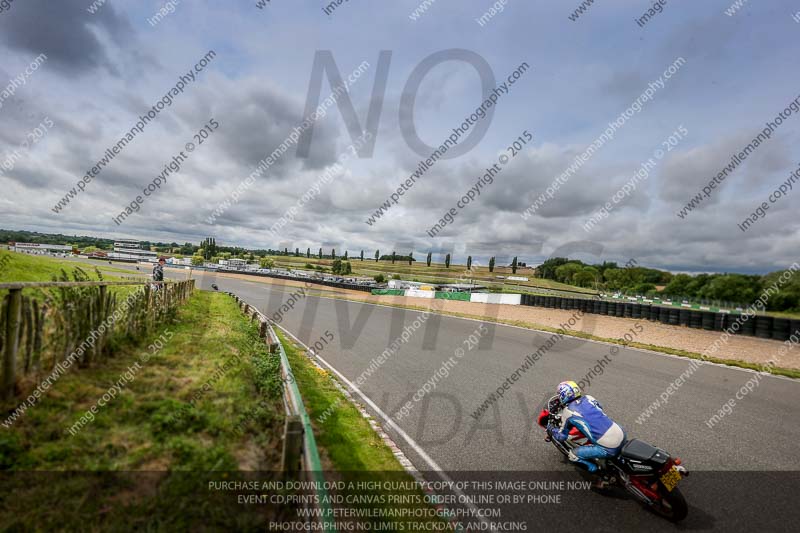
<point>641,451</point>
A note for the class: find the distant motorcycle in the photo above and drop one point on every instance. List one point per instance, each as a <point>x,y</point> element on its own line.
<point>647,472</point>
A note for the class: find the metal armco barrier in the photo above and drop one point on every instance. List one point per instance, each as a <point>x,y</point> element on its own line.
<point>765,327</point>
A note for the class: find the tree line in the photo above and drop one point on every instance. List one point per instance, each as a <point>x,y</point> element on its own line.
<point>737,289</point>
<point>629,278</point>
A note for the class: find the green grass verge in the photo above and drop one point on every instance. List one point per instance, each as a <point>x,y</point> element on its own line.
<point>209,400</point>
<point>17,267</point>
<point>347,441</point>
<point>347,438</point>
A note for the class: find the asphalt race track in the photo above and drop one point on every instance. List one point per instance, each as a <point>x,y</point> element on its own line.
<point>745,468</point>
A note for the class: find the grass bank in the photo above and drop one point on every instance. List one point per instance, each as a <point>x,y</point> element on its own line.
<point>207,401</point>
<point>16,267</point>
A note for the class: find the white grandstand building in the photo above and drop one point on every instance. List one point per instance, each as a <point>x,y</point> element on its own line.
<point>131,250</point>
<point>40,249</point>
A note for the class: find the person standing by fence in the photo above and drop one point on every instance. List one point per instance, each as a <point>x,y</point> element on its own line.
<point>158,272</point>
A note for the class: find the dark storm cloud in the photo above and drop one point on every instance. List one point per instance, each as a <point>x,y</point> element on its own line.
<point>689,171</point>
<point>64,31</point>
<point>259,116</point>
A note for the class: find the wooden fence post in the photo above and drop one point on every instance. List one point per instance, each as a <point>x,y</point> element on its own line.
<point>38,339</point>
<point>101,316</point>
<point>27,322</point>
<point>13,311</point>
<point>292,447</point>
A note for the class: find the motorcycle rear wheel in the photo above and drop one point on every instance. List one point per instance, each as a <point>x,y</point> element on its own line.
<point>671,506</point>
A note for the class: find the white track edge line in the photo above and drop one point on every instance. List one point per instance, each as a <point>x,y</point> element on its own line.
<point>416,447</point>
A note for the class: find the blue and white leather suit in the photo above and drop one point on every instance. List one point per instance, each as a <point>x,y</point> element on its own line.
<point>605,435</point>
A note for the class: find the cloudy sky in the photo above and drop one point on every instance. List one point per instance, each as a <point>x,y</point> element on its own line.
<point>105,69</point>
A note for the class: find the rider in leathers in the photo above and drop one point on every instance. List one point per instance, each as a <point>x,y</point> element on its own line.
<point>586,414</point>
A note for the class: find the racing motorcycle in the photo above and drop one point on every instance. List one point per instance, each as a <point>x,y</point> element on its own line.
<point>650,474</point>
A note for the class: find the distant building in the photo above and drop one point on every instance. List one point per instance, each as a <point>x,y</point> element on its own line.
<point>400,284</point>
<point>359,280</point>
<point>40,249</point>
<point>131,250</point>
<point>233,264</point>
